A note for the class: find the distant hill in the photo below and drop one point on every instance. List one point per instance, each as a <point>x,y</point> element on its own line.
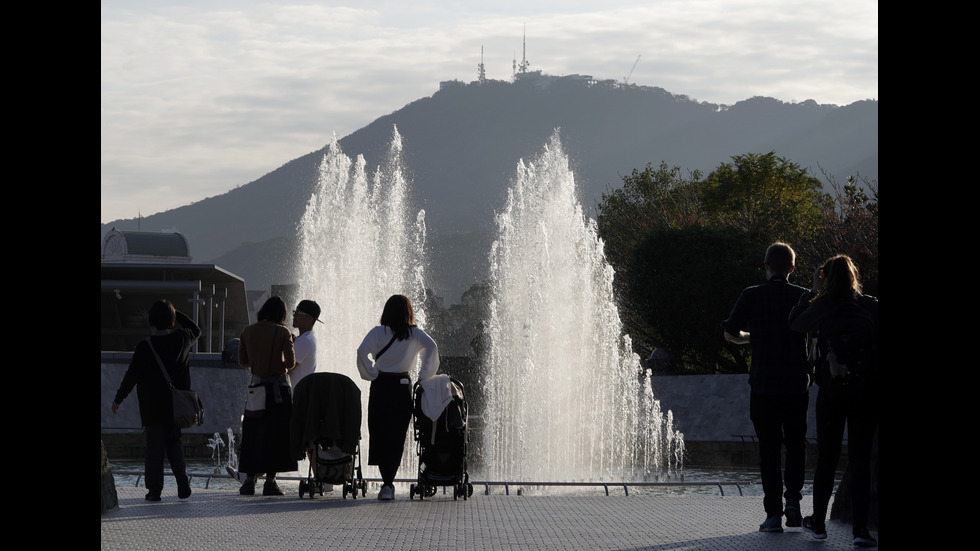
<point>462,145</point>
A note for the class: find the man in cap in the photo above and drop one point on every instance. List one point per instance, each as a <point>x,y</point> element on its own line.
<point>306,314</point>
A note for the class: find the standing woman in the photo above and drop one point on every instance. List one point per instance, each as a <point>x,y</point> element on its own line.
<point>395,346</point>
<point>267,348</point>
<point>847,374</point>
<point>174,334</point>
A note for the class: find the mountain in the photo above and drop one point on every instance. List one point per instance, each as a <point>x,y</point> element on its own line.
<point>462,144</point>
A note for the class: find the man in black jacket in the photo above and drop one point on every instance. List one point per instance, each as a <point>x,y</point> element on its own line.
<point>172,345</point>
<point>779,380</point>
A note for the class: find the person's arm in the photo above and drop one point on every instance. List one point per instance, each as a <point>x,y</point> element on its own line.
<point>187,323</point>
<point>742,337</point>
<point>364,364</point>
<point>430,355</point>
<point>288,353</point>
<point>129,379</point>
<point>806,315</point>
<point>736,321</point>
<point>243,350</point>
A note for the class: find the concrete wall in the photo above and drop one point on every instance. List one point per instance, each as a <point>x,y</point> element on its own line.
<point>713,413</point>
<point>221,388</point>
<point>711,410</point>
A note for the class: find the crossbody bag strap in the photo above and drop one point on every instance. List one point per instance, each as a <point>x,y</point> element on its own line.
<point>378,355</point>
<point>166,376</point>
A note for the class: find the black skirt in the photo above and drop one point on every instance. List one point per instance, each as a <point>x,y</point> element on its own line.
<point>389,412</point>
<point>265,439</point>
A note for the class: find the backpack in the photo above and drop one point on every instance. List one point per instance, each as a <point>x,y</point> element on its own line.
<point>848,341</point>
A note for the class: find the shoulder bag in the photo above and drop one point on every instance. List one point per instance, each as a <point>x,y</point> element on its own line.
<point>188,409</point>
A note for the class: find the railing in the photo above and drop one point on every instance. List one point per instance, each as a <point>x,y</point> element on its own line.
<point>487,484</point>
<point>606,485</point>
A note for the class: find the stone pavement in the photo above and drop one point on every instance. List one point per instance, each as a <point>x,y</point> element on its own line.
<point>222,519</point>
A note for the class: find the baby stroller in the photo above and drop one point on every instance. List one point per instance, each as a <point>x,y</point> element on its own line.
<point>326,429</point>
<point>439,423</point>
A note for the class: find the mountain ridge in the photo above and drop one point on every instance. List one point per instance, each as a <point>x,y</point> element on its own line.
<point>462,144</point>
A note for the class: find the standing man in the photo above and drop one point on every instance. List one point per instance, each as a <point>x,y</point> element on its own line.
<point>780,382</point>
<point>306,314</point>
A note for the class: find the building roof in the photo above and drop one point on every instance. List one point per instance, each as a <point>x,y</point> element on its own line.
<point>138,246</point>
<point>212,296</point>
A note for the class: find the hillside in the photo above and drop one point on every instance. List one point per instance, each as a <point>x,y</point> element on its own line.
<point>462,145</point>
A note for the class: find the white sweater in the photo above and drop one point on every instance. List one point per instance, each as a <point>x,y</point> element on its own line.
<point>400,357</point>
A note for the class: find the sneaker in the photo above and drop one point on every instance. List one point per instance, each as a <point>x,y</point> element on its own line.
<point>772,524</point>
<point>183,487</point>
<point>271,488</point>
<point>862,538</point>
<point>792,511</point>
<point>152,497</point>
<point>387,493</point>
<point>817,530</point>
<point>248,487</point>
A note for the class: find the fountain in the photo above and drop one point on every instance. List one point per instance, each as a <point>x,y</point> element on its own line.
<point>357,249</point>
<point>216,443</point>
<point>567,399</point>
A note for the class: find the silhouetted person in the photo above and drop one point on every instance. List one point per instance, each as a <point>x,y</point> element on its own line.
<point>305,316</point>
<point>395,345</point>
<point>847,373</point>
<point>267,349</point>
<point>780,382</point>
<point>156,404</point>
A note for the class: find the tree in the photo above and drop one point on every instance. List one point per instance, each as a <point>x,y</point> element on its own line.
<point>850,226</point>
<point>683,248</point>
<point>681,281</point>
<point>767,196</point>
<point>650,200</point>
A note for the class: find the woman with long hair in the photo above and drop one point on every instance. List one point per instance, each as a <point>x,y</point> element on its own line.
<point>846,370</point>
<point>267,349</point>
<point>385,357</point>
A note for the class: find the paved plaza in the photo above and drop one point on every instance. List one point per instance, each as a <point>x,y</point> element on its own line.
<point>222,519</point>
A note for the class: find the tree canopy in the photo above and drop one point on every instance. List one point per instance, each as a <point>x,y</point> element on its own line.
<point>684,246</point>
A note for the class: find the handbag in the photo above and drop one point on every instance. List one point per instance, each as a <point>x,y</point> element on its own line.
<point>188,409</point>
<point>255,394</point>
<point>255,401</point>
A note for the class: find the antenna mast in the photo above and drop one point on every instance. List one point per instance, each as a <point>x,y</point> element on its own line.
<point>481,74</point>
<point>524,62</point>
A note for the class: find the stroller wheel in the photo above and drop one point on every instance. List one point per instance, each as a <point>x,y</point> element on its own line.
<point>469,489</point>
<point>411,491</point>
<point>345,492</point>
<point>302,488</point>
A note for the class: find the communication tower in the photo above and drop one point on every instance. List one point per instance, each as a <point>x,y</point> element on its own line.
<point>524,62</point>
<point>481,74</point>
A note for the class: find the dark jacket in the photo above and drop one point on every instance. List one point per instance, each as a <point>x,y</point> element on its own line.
<point>779,365</point>
<point>156,405</point>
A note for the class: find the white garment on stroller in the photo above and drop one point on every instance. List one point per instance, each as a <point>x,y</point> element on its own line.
<point>437,391</point>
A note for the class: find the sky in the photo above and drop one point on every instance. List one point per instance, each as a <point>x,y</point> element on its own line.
<point>201,97</point>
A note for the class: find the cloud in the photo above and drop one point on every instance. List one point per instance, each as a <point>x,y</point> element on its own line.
<point>199,98</point>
